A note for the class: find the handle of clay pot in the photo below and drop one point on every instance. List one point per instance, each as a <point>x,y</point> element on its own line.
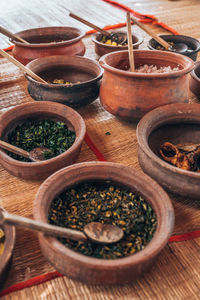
<point>11,35</point>
<point>13,149</point>
<point>101,63</point>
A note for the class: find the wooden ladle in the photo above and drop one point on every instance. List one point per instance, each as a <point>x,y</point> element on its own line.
<point>21,66</point>
<point>36,154</point>
<point>179,47</point>
<point>94,231</point>
<point>118,37</point>
<point>12,35</point>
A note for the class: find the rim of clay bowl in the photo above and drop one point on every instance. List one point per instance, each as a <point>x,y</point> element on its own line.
<point>193,73</point>
<point>10,234</point>
<point>64,60</point>
<point>61,29</point>
<point>142,183</point>
<point>77,143</point>
<point>179,59</point>
<point>139,37</point>
<point>155,119</point>
<point>179,36</point>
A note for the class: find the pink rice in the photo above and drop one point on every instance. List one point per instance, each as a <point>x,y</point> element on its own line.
<point>154,69</point>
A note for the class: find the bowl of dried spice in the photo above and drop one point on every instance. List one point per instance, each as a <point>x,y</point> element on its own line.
<point>169,147</point>
<point>193,45</point>
<point>48,125</point>
<point>7,242</point>
<point>160,78</point>
<point>109,193</point>
<point>47,41</point>
<point>73,81</point>
<point>104,44</point>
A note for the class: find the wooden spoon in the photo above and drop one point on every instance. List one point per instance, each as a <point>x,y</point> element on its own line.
<point>130,43</point>
<point>36,154</point>
<point>21,66</point>
<point>12,36</point>
<point>118,37</point>
<point>94,231</point>
<point>179,47</point>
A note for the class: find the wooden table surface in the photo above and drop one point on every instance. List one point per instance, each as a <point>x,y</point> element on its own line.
<point>175,274</point>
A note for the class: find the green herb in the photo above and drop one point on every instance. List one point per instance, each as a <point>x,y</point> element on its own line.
<point>107,133</point>
<point>105,203</point>
<point>41,133</point>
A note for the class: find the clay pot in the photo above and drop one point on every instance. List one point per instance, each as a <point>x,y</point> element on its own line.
<point>195,80</point>
<point>101,48</point>
<point>6,257</point>
<point>130,95</point>
<point>41,110</point>
<point>84,73</point>
<point>192,43</point>
<point>48,41</point>
<point>177,124</point>
<point>102,271</point>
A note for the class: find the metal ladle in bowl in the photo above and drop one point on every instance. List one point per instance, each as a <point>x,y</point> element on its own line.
<point>36,154</point>
<point>94,231</point>
<point>118,37</point>
<point>178,47</point>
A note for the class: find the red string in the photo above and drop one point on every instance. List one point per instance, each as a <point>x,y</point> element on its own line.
<point>94,149</point>
<point>185,236</point>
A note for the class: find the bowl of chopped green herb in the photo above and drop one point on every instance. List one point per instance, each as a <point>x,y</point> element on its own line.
<point>73,81</point>
<point>7,242</point>
<point>109,193</point>
<point>54,126</point>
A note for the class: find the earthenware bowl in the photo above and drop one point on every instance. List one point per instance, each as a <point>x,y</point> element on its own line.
<point>195,79</point>
<point>83,74</point>
<point>177,124</point>
<point>130,95</point>
<point>101,48</point>
<point>104,271</point>
<point>41,110</point>
<point>192,43</point>
<point>47,41</point>
<point>6,257</point>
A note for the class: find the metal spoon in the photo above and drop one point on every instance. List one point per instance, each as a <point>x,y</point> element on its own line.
<point>118,37</point>
<point>94,231</point>
<point>36,154</point>
<point>179,47</point>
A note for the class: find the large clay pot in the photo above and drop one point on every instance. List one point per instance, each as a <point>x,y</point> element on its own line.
<point>47,41</point>
<point>130,95</point>
<point>104,271</point>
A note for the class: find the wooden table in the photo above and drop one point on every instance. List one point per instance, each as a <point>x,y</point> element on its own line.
<point>176,272</point>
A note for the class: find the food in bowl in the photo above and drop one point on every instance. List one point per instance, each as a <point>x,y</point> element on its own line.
<point>104,203</point>
<point>49,134</point>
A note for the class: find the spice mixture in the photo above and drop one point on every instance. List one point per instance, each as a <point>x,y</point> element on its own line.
<point>112,40</point>
<point>2,240</point>
<point>109,204</point>
<point>185,156</point>
<point>62,81</point>
<point>155,69</point>
<point>41,133</point>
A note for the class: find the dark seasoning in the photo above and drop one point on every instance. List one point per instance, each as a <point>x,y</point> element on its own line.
<point>41,133</point>
<point>106,203</point>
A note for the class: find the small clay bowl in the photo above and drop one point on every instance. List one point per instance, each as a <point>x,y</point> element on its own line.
<point>129,95</point>
<point>83,73</point>
<point>104,271</point>
<point>195,79</point>
<point>177,124</point>
<point>41,110</point>
<point>192,43</point>
<point>101,48</point>
<point>6,257</point>
<point>47,41</point>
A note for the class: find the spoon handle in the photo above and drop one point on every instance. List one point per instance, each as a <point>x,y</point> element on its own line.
<point>11,35</point>
<point>130,43</point>
<point>13,149</point>
<point>48,229</point>
<point>21,66</point>
<point>88,24</point>
<point>152,34</point>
